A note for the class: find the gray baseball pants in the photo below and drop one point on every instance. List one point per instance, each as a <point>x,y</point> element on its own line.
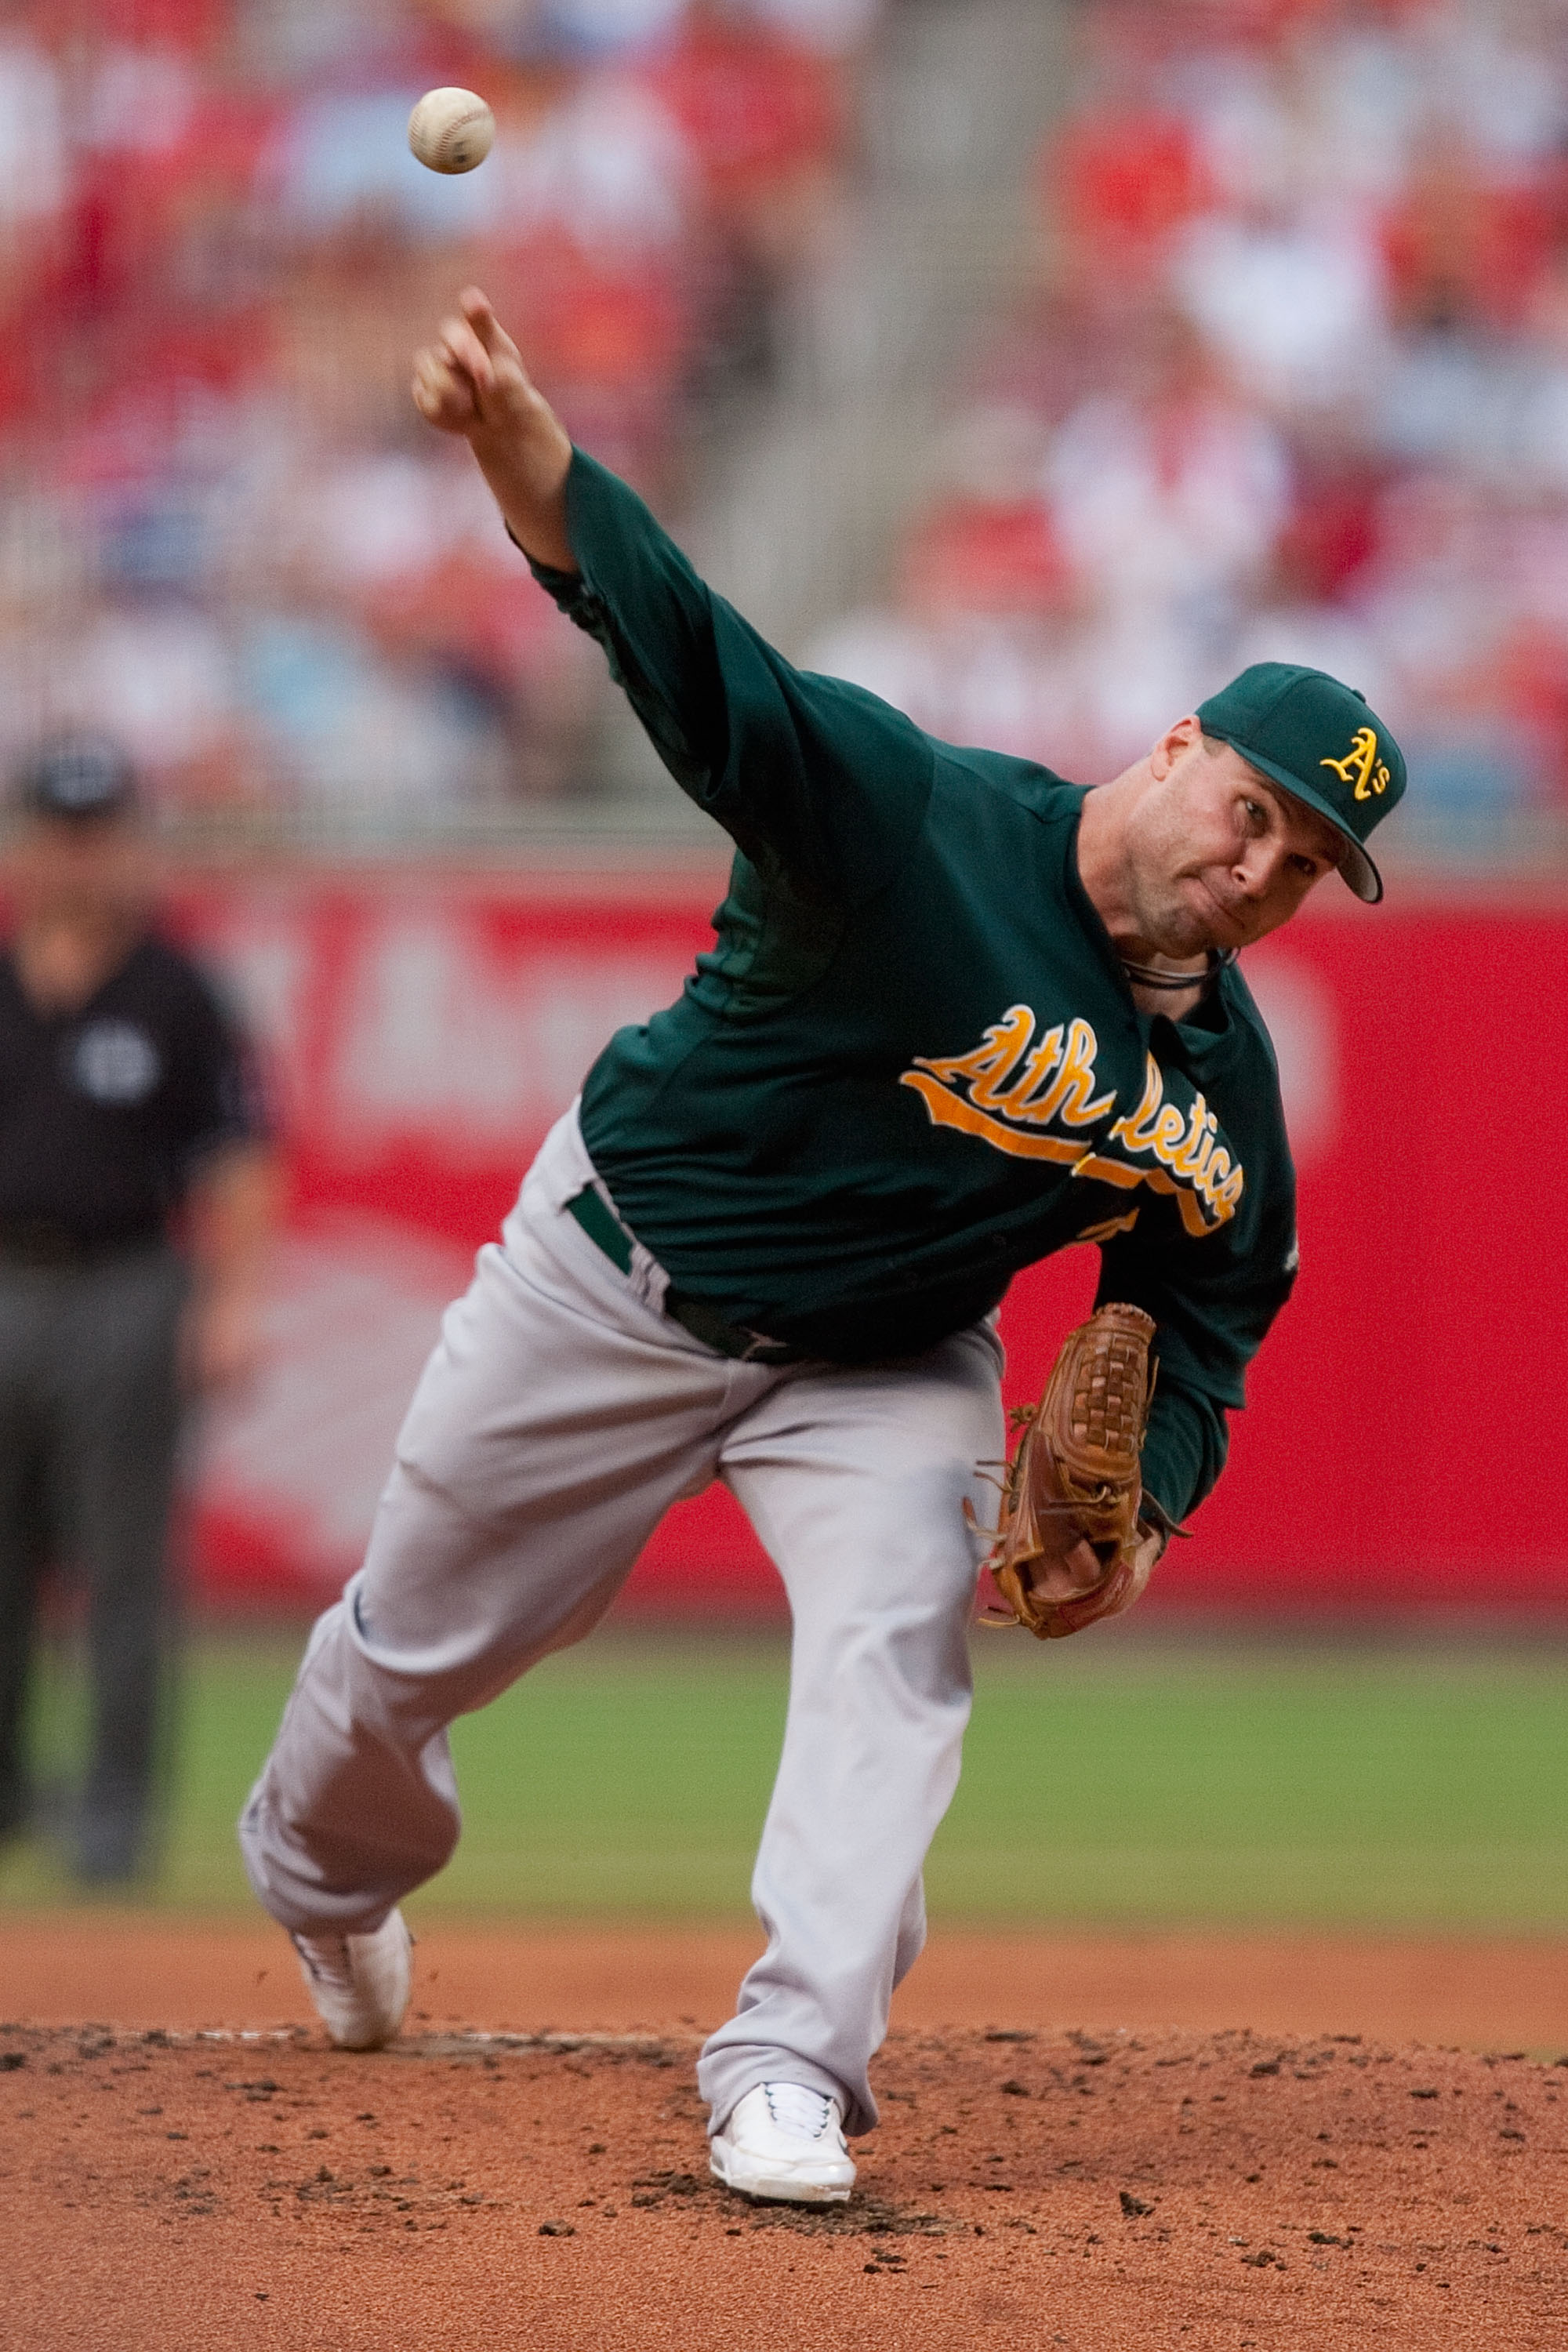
<point>558,1418</point>
<point>89,1428</point>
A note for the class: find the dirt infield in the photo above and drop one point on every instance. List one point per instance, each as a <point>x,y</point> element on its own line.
<point>1145,2181</point>
<point>1481,1992</point>
<point>1179,2190</point>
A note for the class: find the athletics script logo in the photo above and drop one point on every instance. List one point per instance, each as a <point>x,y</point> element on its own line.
<point>1035,1097</point>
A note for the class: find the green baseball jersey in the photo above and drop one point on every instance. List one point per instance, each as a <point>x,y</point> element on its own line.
<point>912,1064</point>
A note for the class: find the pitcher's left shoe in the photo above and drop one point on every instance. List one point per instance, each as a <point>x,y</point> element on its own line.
<point>359,1984</point>
<point>785,2142</point>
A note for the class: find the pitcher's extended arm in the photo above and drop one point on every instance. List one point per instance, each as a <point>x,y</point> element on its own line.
<point>812,777</point>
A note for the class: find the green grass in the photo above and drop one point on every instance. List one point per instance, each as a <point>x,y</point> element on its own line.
<point>1126,1780</point>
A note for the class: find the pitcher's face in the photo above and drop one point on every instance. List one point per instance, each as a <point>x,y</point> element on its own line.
<point>1219,856</point>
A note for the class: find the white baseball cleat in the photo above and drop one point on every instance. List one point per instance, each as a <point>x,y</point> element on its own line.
<point>359,1984</point>
<point>785,2142</point>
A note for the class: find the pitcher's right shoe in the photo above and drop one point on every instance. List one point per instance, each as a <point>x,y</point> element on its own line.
<point>785,2142</point>
<point>359,1984</point>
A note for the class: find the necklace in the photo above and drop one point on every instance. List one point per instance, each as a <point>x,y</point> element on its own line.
<point>1148,976</point>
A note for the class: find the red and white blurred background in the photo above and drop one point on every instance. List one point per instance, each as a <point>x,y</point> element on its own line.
<point>227,537</point>
<point>1286,369</point>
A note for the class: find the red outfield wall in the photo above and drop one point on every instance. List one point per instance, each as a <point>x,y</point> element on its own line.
<point>421,1037</point>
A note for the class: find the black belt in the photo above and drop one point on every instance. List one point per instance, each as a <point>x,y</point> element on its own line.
<point>40,1242</point>
<point>704,1321</point>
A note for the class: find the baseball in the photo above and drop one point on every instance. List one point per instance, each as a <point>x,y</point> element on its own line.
<point>451,129</point>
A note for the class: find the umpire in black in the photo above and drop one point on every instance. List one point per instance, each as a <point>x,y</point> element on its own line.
<point>136,1192</point>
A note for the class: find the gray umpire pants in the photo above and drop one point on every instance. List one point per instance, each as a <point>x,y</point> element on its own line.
<point>89,1425</point>
<point>559,1417</point>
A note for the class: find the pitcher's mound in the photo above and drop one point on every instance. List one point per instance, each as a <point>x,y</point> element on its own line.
<point>462,2192</point>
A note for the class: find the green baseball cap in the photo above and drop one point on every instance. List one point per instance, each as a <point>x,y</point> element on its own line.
<point>1321,741</point>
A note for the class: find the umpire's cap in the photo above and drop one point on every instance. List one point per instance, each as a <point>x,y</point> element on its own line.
<point>81,778</point>
<point>1318,740</point>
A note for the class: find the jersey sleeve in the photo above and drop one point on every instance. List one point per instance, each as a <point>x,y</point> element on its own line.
<point>807,774</point>
<point>216,1096</point>
<point>1213,1300</point>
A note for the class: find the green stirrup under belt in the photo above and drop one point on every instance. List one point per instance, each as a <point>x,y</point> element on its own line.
<point>600,1227</point>
<point>705,1322</point>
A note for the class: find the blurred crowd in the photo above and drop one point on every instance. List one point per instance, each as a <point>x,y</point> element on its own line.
<point>225,537</point>
<point>1293,383</point>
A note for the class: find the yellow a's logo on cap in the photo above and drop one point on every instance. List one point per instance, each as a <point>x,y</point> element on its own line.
<point>1361,766</point>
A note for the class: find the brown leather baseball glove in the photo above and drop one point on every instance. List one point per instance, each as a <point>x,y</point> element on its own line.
<point>1075,1478</point>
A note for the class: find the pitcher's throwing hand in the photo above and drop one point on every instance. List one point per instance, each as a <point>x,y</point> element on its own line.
<point>471,381</point>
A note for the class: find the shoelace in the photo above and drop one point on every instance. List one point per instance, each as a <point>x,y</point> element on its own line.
<point>327,1957</point>
<point>795,2108</point>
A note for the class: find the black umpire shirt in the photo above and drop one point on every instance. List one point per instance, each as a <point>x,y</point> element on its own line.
<point>105,1111</point>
